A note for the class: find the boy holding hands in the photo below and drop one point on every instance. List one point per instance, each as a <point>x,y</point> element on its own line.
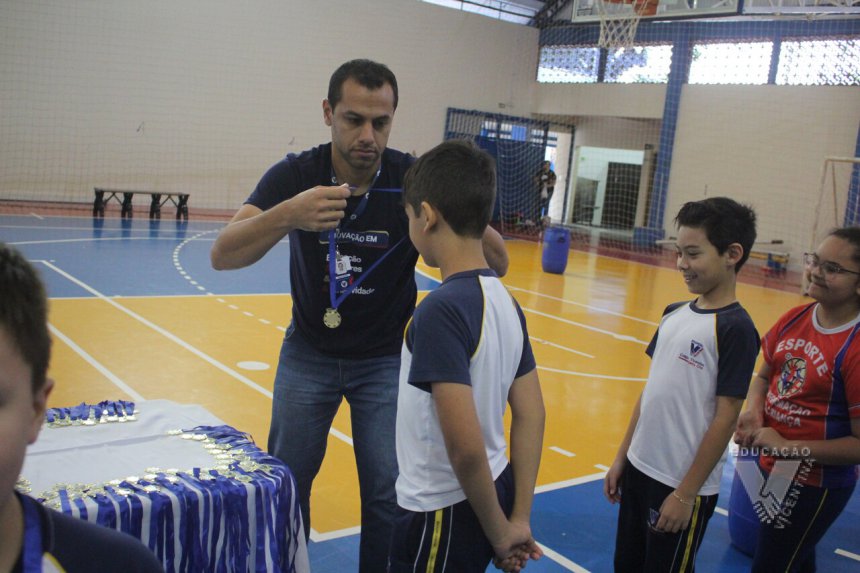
<point>466,353</point>
<point>667,471</point>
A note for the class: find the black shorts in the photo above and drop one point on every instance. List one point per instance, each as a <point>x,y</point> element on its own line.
<point>448,539</point>
<point>638,546</point>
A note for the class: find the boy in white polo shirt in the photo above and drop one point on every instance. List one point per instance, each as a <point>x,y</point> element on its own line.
<point>667,471</point>
<point>466,355</point>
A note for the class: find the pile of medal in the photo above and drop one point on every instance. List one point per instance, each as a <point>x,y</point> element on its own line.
<point>91,414</point>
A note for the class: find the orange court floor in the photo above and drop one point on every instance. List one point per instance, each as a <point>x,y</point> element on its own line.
<point>137,313</point>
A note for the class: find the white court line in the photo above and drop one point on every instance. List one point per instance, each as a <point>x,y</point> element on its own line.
<point>570,482</point>
<point>93,240</point>
<point>554,345</point>
<point>96,364</point>
<point>562,560</point>
<point>318,537</point>
<point>624,337</point>
<point>340,435</point>
<point>170,336</point>
<point>847,554</point>
<point>602,467</point>
<point>615,335</point>
<point>562,451</point>
<point>721,511</point>
<point>588,375</point>
<point>37,216</point>
<point>427,276</point>
<point>588,306</point>
<point>250,383</point>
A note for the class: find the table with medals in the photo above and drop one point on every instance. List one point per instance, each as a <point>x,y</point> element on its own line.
<point>200,494</point>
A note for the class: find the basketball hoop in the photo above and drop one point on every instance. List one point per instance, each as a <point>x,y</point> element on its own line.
<point>619,20</point>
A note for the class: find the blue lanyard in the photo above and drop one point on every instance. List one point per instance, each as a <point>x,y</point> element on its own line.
<point>31,553</point>
<point>332,287</point>
<point>332,246</point>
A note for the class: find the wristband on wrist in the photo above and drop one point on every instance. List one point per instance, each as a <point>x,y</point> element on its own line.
<point>682,500</point>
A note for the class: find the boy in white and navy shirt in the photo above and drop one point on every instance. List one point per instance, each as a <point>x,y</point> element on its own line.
<point>666,473</point>
<point>466,355</point>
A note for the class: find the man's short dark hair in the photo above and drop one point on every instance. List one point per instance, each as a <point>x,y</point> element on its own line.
<point>724,220</point>
<point>367,73</point>
<point>24,313</point>
<point>459,180</point>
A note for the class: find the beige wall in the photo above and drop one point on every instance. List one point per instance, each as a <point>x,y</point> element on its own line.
<point>204,95</point>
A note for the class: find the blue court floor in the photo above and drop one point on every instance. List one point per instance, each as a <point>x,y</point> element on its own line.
<point>167,259</point>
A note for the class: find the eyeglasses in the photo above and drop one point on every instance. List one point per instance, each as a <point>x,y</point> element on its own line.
<point>827,268</point>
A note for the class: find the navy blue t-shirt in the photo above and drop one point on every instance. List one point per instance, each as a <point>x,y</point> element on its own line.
<point>77,546</point>
<point>376,312</point>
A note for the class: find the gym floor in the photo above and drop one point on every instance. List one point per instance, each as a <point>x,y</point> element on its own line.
<point>137,313</point>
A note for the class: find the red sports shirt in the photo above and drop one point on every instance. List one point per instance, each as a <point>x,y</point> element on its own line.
<point>814,388</point>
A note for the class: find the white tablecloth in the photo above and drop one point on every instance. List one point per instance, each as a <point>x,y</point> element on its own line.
<point>200,494</point>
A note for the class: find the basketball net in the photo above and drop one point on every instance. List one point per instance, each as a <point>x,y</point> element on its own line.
<point>619,20</point>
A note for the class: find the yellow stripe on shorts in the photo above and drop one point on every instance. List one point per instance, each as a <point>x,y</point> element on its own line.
<point>434,543</point>
<point>692,532</point>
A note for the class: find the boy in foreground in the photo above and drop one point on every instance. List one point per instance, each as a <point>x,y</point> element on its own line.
<point>466,353</point>
<point>667,471</point>
<point>33,537</point>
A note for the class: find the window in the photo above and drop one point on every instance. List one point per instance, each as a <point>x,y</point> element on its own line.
<point>639,64</point>
<point>731,63</point>
<point>834,62</point>
<point>568,64</point>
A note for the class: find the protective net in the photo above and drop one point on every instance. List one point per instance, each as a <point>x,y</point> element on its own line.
<point>619,20</point>
<point>154,96</point>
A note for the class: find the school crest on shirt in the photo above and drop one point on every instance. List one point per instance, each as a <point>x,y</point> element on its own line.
<point>693,358</point>
<point>792,376</point>
<point>695,348</point>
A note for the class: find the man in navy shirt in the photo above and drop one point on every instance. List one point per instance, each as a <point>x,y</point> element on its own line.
<point>353,287</point>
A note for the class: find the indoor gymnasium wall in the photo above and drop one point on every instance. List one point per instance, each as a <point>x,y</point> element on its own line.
<point>764,145</point>
<point>201,96</point>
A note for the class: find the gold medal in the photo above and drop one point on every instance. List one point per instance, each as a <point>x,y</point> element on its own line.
<point>331,318</point>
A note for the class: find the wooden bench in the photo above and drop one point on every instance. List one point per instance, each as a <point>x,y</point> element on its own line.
<point>776,263</point>
<point>157,200</point>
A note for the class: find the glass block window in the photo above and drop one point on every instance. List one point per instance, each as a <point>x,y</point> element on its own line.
<point>639,64</point>
<point>731,63</point>
<point>568,64</point>
<point>833,62</point>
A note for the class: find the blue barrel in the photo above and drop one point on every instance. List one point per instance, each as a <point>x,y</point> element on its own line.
<point>743,521</point>
<point>556,244</point>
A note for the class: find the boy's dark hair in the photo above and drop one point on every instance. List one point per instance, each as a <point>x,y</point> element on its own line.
<point>459,180</point>
<point>851,235</point>
<point>367,73</point>
<point>724,220</point>
<point>24,313</point>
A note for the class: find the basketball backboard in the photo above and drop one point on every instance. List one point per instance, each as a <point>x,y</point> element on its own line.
<point>588,11</point>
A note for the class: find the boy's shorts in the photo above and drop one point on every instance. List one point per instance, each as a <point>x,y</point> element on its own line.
<point>448,539</point>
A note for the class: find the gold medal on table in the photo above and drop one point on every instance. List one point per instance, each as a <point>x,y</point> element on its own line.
<point>331,318</point>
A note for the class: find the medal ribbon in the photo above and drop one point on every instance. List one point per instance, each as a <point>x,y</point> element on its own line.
<point>336,301</point>
<point>31,556</point>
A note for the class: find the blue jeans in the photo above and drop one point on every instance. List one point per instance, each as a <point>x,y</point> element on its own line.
<point>309,387</point>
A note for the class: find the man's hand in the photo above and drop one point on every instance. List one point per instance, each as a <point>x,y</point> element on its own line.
<point>319,208</point>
